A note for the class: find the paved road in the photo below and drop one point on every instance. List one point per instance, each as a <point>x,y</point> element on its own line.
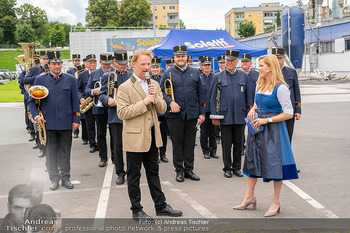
<point>321,147</point>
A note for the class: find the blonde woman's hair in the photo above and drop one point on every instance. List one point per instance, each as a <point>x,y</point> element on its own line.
<point>138,52</point>
<point>276,77</point>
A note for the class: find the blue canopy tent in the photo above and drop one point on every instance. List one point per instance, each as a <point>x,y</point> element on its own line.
<point>211,43</point>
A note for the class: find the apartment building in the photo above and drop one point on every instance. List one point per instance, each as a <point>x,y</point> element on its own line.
<point>166,13</point>
<point>262,17</point>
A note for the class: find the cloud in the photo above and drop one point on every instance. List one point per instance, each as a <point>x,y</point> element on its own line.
<point>64,11</point>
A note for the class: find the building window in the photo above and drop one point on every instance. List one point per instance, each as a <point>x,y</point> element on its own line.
<point>347,44</point>
<point>172,16</point>
<point>239,15</point>
<point>164,16</point>
<point>172,8</point>
<point>268,14</point>
<point>164,7</point>
<point>164,25</point>
<point>155,8</point>
<point>259,31</point>
<point>259,22</point>
<point>249,14</point>
<point>156,17</point>
<point>327,47</point>
<point>259,14</point>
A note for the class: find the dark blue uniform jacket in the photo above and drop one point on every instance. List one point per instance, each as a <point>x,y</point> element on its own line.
<point>61,107</point>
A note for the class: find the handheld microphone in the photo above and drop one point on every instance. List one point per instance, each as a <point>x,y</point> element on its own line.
<point>148,78</point>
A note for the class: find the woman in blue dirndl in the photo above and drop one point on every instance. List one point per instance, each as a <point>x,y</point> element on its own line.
<point>268,153</point>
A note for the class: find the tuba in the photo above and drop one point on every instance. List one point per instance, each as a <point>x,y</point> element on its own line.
<point>39,92</point>
<point>111,85</point>
<point>99,103</point>
<point>28,49</point>
<point>21,60</point>
<point>90,103</point>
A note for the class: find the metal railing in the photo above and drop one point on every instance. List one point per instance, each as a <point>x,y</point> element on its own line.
<point>98,29</point>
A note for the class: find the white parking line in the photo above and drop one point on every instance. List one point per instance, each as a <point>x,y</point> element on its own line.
<point>309,199</point>
<point>104,196</point>
<point>190,201</point>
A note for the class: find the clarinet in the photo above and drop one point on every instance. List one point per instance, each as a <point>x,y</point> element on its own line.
<point>218,95</point>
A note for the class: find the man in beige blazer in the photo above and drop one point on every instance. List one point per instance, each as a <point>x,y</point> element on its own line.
<point>138,102</point>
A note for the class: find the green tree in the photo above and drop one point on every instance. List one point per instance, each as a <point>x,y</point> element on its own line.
<point>182,24</point>
<point>278,19</point>
<point>313,8</point>
<point>102,13</point>
<point>246,29</point>
<point>135,13</point>
<point>24,33</point>
<point>8,20</point>
<point>35,17</point>
<point>1,34</point>
<point>79,24</point>
<point>56,34</point>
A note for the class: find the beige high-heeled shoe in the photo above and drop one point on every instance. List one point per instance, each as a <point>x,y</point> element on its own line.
<point>270,213</point>
<point>243,207</point>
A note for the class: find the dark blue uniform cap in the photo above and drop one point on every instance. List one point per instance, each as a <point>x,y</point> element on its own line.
<point>91,57</point>
<point>106,58</point>
<point>76,57</point>
<point>279,52</point>
<point>121,57</point>
<point>206,60</point>
<point>54,56</point>
<point>81,68</point>
<point>231,54</point>
<point>221,58</point>
<point>180,49</point>
<point>155,61</point>
<point>246,57</point>
<point>43,54</point>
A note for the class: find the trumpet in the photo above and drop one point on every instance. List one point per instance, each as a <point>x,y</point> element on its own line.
<point>99,103</point>
<point>168,87</point>
<point>89,104</point>
<point>39,92</point>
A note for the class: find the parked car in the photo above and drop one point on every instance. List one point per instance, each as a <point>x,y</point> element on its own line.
<point>7,74</point>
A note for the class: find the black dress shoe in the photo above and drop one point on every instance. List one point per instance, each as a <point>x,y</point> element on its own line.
<point>92,149</point>
<point>76,135</point>
<point>228,174</point>
<point>238,173</point>
<point>206,156</point>
<point>54,185</point>
<point>214,155</point>
<point>85,142</point>
<point>141,215</point>
<point>32,138</point>
<point>36,146</point>
<point>67,184</point>
<point>180,177</point>
<point>164,159</point>
<point>120,180</point>
<point>102,163</point>
<point>41,154</point>
<point>169,211</point>
<point>192,176</point>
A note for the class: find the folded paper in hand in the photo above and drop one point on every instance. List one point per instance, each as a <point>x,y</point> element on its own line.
<point>251,127</point>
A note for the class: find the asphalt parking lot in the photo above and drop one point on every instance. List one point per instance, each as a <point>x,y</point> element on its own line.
<point>321,146</point>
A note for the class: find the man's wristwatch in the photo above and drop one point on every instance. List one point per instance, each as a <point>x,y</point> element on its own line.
<point>269,119</point>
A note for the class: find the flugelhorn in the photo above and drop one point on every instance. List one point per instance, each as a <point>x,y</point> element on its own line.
<point>89,104</point>
<point>99,103</point>
<point>112,85</point>
<point>168,87</point>
<point>39,92</point>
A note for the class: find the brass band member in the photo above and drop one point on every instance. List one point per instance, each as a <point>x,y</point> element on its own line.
<point>187,108</point>
<point>61,116</point>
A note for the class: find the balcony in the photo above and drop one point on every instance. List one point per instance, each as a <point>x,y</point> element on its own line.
<point>239,19</point>
<point>173,21</point>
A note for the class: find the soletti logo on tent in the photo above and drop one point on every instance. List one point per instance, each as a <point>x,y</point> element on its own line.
<point>210,44</point>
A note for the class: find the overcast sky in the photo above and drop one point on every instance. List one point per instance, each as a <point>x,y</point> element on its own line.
<point>197,14</point>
